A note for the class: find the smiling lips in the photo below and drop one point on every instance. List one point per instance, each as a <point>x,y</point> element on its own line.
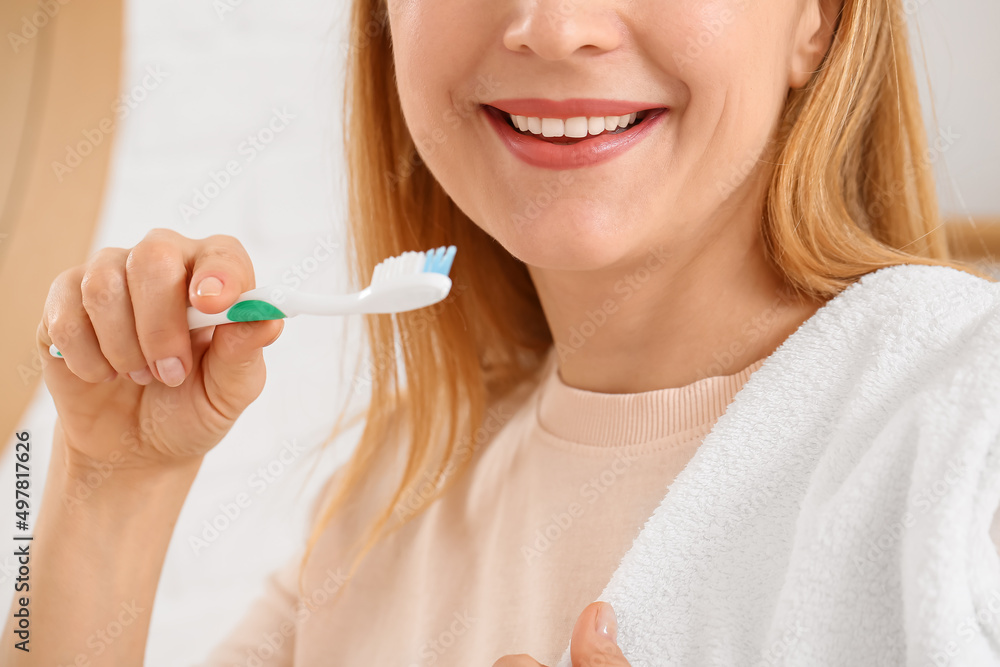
<point>571,133</point>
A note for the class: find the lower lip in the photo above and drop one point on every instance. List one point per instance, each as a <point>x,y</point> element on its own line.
<point>584,153</point>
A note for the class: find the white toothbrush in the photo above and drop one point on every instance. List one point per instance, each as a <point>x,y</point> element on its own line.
<point>407,282</point>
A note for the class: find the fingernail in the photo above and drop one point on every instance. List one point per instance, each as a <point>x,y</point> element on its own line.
<point>210,286</point>
<point>143,377</point>
<point>607,624</point>
<point>171,371</point>
<point>111,378</point>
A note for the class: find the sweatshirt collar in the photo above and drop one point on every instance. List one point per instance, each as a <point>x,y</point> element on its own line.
<point>600,419</point>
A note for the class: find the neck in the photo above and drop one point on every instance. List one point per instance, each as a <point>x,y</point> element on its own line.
<point>671,315</point>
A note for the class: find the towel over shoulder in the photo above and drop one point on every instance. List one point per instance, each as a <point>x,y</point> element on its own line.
<point>839,511</point>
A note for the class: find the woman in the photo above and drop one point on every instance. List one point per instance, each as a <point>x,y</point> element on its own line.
<point>761,217</point>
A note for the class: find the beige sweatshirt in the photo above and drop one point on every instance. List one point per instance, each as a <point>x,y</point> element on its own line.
<point>509,557</point>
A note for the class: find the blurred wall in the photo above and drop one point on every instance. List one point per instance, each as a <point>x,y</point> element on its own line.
<point>962,60</point>
<point>59,64</point>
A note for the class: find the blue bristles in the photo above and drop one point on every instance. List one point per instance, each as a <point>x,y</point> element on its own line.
<point>439,260</point>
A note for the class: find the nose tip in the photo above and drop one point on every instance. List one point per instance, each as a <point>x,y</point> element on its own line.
<point>557,30</point>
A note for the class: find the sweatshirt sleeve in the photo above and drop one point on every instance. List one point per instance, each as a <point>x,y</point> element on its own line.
<point>265,635</point>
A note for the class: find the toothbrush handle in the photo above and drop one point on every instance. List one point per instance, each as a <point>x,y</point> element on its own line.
<point>252,306</point>
<point>246,309</point>
<point>391,295</point>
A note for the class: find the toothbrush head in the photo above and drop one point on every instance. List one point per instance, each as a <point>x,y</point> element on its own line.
<point>438,260</point>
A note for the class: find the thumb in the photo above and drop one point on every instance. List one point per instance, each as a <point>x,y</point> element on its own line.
<point>233,365</point>
<point>595,638</point>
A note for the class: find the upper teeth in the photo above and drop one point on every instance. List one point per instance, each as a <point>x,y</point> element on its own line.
<point>575,128</point>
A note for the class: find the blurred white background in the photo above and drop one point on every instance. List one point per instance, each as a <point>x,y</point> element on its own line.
<point>224,77</point>
<point>962,58</point>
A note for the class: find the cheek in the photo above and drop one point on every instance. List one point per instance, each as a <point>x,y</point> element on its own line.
<point>437,50</point>
<point>440,76</point>
<point>724,56</point>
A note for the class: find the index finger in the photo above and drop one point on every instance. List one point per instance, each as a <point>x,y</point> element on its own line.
<point>156,272</point>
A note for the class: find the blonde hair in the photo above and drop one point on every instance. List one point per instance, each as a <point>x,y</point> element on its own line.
<point>851,191</point>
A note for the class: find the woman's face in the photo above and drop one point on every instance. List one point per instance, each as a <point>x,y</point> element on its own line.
<point>711,77</point>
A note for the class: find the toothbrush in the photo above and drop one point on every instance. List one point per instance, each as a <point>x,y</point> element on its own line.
<point>406,282</point>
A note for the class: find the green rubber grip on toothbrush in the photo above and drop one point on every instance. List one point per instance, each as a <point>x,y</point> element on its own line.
<point>253,310</point>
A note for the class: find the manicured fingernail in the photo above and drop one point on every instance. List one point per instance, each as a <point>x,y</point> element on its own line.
<point>607,624</point>
<point>171,371</point>
<point>142,377</point>
<point>210,286</point>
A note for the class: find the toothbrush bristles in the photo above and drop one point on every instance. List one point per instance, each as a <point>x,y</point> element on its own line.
<point>438,260</point>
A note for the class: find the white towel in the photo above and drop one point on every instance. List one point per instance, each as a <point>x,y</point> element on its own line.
<point>839,511</point>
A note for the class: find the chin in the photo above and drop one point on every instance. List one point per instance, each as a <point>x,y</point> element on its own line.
<point>563,246</point>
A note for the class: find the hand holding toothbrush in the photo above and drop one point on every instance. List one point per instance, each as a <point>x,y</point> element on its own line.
<point>135,388</point>
<point>141,399</point>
